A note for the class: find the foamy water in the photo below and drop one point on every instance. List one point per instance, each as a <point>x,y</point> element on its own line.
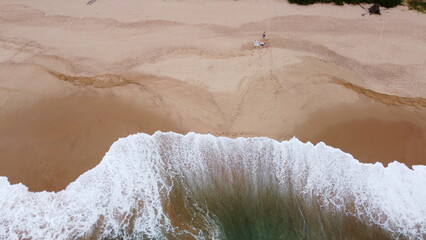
<point>171,186</point>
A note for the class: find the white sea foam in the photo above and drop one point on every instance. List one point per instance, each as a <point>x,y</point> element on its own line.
<point>124,195</point>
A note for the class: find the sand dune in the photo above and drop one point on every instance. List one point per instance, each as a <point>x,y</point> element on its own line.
<point>74,78</point>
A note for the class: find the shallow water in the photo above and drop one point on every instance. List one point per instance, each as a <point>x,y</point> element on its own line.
<point>171,186</point>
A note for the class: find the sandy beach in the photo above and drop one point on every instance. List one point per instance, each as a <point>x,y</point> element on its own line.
<point>75,77</point>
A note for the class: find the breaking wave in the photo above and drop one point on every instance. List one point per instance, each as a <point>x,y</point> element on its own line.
<point>171,186</point>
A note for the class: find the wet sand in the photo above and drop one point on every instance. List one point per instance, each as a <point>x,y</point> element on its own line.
<point>371,133</point>
<point>52,142</point>
<point>74,78</point>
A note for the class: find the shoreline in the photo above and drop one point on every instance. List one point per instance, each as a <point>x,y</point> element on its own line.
<point>74,78</point>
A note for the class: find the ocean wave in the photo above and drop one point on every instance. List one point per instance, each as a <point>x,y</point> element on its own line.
<point>172,186</point>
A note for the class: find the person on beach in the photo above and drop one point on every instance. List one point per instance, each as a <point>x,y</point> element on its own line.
<point>263,35</point>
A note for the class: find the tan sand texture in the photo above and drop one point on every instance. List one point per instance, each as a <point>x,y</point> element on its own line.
<point>75,77</point>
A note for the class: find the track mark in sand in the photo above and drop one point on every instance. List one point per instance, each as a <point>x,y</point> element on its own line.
<point>268,78</point>
<point>276,85</point>
<point>381,97</point>
<point>237,110</point>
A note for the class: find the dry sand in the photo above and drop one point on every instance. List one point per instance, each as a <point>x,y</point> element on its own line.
<point>74,78</point>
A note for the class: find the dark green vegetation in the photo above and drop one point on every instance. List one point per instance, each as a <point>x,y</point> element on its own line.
<point>384,3</point>
<point>418,5</point>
